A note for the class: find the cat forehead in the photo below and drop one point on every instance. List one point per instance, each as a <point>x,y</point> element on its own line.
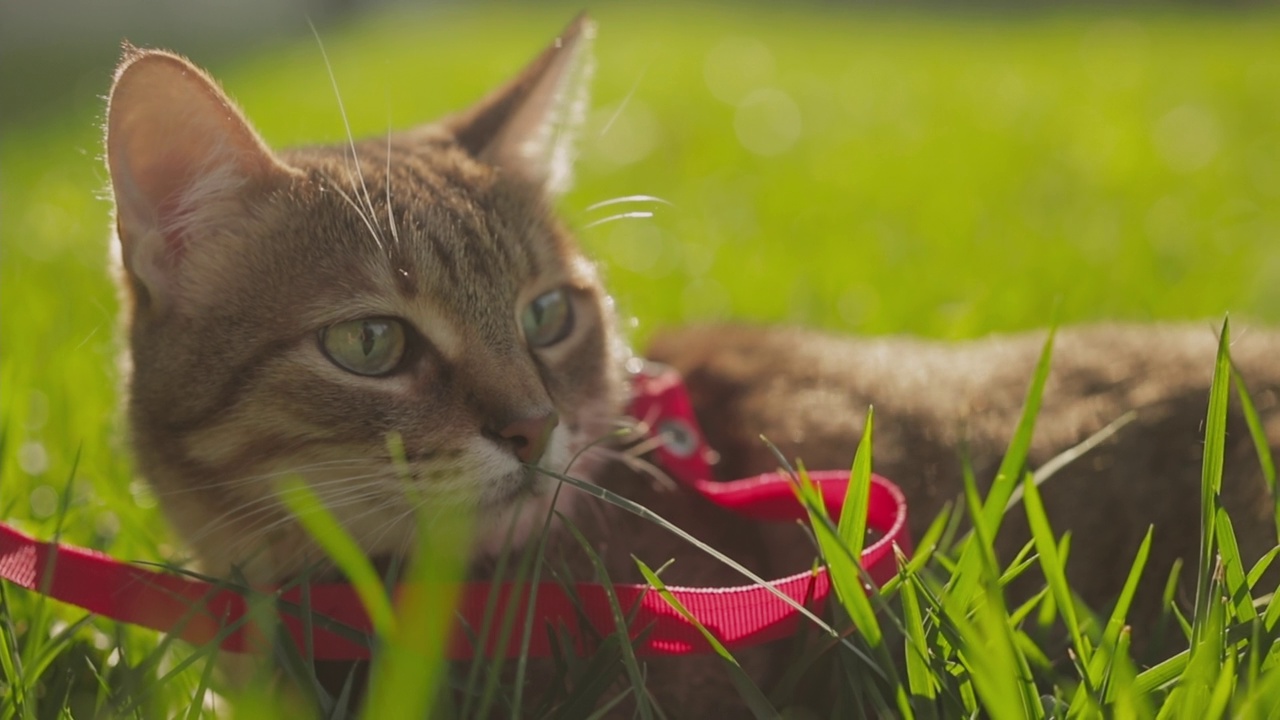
<point>418,225</point>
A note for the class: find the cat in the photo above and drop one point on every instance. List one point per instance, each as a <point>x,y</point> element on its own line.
<point>287,312</point>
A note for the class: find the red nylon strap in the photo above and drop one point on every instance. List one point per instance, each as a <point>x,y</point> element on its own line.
<point>739,617</point>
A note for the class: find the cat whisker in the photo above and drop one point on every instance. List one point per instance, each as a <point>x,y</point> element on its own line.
<point>359,496</point>
<point>634,215</point>
<point>351,142</point>
<point>368,222</point>
<point>391,219</point>
<point>276,474</point>
<point>269,502</point>
<point>626,100</point>
<point>629,199</point>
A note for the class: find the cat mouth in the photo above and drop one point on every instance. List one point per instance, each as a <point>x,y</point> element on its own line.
<point>527,482</point>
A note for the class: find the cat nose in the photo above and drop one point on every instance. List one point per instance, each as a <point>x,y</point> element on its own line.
<point>529,436</point>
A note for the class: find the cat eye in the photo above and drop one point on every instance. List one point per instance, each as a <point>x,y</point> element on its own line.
<point>548,319</point>
<point>371,346</point>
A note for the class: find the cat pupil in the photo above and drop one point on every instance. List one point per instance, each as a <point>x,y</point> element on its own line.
<point>366,347</point>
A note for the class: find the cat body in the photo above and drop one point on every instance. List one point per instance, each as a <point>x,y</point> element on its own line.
<point>322,313</point>
<point>808,393</point>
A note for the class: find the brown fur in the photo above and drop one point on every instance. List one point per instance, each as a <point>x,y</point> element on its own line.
<point>235,258</point>
<point>809,392</point>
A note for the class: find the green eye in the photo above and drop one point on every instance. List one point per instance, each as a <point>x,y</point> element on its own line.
<point>548,319</point>
<point>373,346</point>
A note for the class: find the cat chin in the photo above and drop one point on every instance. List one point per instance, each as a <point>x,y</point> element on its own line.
<point>519,521</point>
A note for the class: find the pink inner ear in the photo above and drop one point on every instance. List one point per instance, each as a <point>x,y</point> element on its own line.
<point>150,194</point>
<point>180,154</point>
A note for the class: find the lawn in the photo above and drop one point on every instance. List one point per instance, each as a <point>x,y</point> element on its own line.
<point>946,175</point>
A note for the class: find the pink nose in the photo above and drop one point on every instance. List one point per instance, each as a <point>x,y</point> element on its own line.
<point>529,436</point>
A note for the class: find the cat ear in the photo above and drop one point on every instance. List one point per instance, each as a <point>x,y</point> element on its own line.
<point>528,126</point>
<point>180,155</point>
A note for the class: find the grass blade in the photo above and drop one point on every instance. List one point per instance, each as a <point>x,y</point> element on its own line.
<point>1215,431</point>
<point>407,673</point>
<point>1237,584</point>
<point>842,567</point>
<point>1054,571</point>
<point>643,707</point>
<point>853,518</point>
<point>920,679</point>
<point>965,579</point>
<point>751,694</point>
<point>1015,458</point>
<point>329,534</point>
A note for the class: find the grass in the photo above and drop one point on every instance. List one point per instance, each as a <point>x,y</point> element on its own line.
<point>870,172</point>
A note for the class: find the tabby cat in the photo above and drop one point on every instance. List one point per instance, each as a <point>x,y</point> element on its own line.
<point>289,311</point>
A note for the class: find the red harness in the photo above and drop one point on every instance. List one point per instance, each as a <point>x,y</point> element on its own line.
<point>201,612</point>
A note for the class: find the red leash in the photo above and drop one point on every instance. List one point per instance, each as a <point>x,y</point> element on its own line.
<point>201,612</point>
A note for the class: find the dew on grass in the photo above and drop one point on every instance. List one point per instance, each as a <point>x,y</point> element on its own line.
<point>33,458</point>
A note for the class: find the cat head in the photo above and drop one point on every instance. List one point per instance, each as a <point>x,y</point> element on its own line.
<point>303,313</point>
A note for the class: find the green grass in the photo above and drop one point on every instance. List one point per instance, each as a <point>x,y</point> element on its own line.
<point>948,176</point>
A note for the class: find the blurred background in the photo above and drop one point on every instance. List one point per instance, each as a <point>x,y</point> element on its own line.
<point>917,169</point>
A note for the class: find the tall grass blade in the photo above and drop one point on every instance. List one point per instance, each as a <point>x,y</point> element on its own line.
<point>965,579</point>
<point>1215,430</point>
<point>1259,568</point>
<point>1015,458</point>
<point>643,707</point>
<point>329,534</point>
<point>842,567</point>
<point>1055,571</point>
<point>1237,584</point>
<point>920,679</point>
<point>852,525</point>
<point>989,650</point>
<point>408,671</point>
<point>1221,694</point>
<point>1115,629</point>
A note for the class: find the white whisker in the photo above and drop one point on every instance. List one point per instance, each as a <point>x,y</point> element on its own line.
<point>351,142</point>
<point>637,215</point>
<point>626,100</point>
<point>629,199</point>
<point>391,220</point>
<point>368,223</point>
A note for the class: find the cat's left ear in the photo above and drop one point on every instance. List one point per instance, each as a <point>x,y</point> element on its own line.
<point>529,126</point>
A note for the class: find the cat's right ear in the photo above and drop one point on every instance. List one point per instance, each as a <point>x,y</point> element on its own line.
<point>529,126</point>
<point>181,156</point>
